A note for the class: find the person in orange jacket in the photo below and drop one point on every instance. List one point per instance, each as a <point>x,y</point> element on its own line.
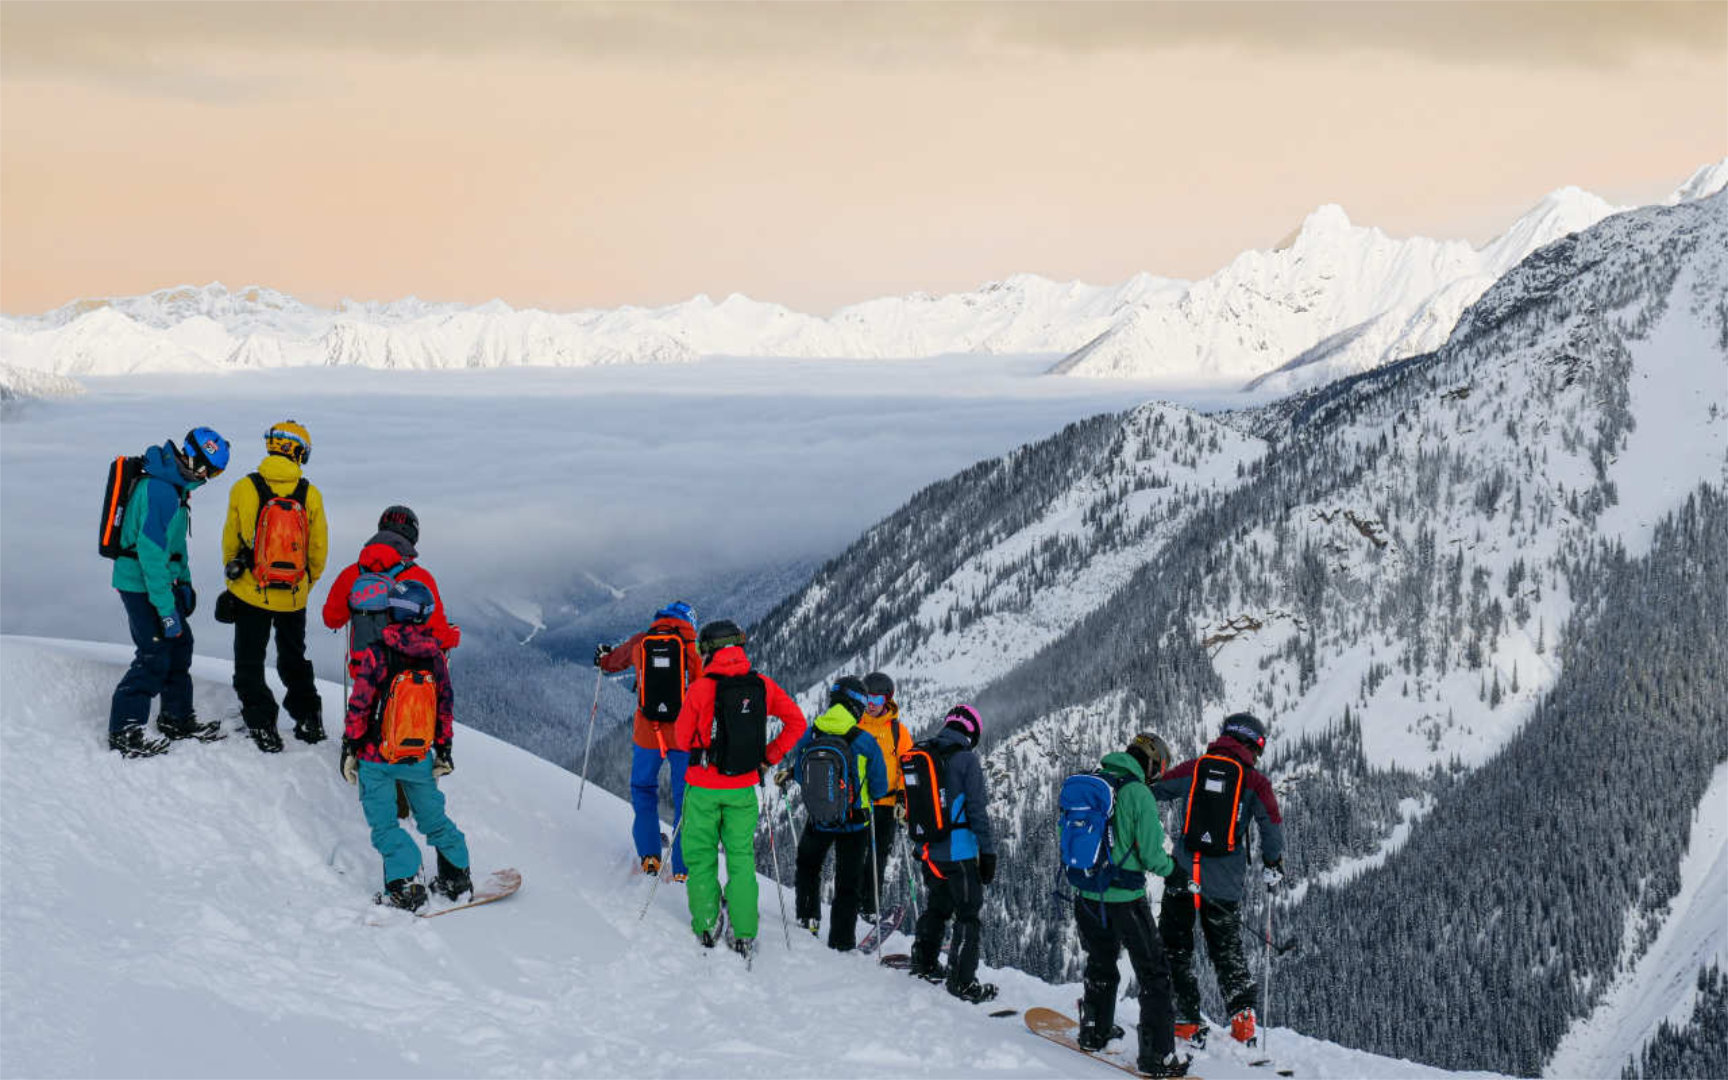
<point>666,663</point>
<point>724,727</point>
<point>882,720</point>
<point>390,554</point>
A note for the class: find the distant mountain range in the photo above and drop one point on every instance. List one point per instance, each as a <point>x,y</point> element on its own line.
<point>1335,299</point>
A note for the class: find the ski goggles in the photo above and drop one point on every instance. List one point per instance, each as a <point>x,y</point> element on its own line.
<point>876,701</point>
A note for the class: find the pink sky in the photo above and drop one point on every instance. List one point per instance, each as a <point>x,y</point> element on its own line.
<point>573,156</point>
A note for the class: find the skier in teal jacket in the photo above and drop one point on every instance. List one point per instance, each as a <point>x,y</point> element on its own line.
<point>155,586</point>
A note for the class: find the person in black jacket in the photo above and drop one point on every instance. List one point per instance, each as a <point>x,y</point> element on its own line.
<point>958,866</point>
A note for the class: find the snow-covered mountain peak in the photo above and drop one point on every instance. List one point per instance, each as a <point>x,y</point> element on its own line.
<point>1707,181</point>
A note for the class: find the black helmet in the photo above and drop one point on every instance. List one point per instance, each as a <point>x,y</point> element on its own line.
<point>1247,729</point>
<point>401,521</point>
<point>878,682</point>
<point>849,690</point>
<point>1152,752</point>
<point>718,635</point>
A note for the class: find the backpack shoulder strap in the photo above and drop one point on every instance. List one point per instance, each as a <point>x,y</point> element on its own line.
<point>262,486</point>
<point>299,494</point>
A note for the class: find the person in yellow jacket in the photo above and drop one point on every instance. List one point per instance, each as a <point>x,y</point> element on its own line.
<point>273,550</point>
<point>882,720</point>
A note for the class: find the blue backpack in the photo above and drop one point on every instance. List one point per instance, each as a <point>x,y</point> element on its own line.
<point>1088,831</point>
<point>369,606</point>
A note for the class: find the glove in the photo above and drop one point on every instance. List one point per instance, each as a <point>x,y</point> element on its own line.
<point>1273,874</point>
<point>986,869</point>
<point>600,651</point>
<point>172,626</point>
<point>782,778</point>
<point>441,763</point>
<point>350,761</point>
<point>186,598</point>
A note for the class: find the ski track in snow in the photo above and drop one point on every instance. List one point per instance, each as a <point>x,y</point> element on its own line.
<point>208,913</point>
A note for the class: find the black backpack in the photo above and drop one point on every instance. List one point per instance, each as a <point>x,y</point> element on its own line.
<point>924,770</point>
<point>828,777</point>
<point>1214,804</point>
<point>123,475</point>
<point>660,677</point>
<point>738,735</point>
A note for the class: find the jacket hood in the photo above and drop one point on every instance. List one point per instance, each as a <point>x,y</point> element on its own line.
<point>163,463</point>
<point>1230,748</point>
<point>1124,762</point>
<point>384,551</point>
<point>411,639</point>
<point>949,735</point>
<point>836,721</point>
<point>728,661</point>
<point>673,626</point>
<point>279,470</point>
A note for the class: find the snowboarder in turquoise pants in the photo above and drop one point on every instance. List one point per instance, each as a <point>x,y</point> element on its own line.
<point>397,736</point>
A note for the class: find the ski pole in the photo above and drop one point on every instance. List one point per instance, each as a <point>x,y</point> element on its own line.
<point>1266,977</point>
<point>875,878</point>
<point>779,889</point>
<point>911,887</point>
<point>592,714</point>
<point>654,888</point>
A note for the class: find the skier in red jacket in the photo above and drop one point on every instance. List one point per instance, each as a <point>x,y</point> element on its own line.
<point>390,552</point>
<point>724,727</point>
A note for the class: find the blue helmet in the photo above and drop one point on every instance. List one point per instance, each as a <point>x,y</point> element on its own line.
<point>411,602</point>
<point>678,609</point>
<point>206,452</point>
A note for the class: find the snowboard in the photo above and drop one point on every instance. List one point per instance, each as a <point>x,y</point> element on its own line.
<point>1059,1029</point>
<point>886,925</point>
<point>500,884</point>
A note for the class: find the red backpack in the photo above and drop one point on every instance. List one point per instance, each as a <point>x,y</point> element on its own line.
<point>408,716</point>
<point>279,536</point>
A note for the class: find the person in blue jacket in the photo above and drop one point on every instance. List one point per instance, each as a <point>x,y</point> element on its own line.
<point>851,838</point>
<point>958,866</point>
<point>155,586</point>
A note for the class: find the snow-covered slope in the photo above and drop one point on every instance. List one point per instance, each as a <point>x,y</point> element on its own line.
<point>207,913</point>
<point>1336,300</point>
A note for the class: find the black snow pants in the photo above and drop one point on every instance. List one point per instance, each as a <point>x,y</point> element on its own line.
<point>952,891</point>
<point>252,626</point>
<point>1105,930</point>
<point>1221,922</point>
<point>851,856</point>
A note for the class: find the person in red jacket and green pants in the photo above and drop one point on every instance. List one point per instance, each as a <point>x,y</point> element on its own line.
<point>723,725</point>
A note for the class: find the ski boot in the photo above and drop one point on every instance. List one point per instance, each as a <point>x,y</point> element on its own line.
<point>932,972</point>
<point>452,881</point>
<point>1193,1034</point>
<point>1091,1037</point>
<point>975,992</point>
<point>1173,1065</point>
<point>1242,1026</point>
<point>405,893</point>
<point>814,926</point>
<point>309,729</point>
<point>189,727</point>
<point>266,738</point>
<point>132,741</point>
<point>743,946</point>
<point>679,877</point>
<point>650,864</point>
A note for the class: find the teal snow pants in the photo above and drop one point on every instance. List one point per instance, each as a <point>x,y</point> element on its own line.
<point>378,800</point>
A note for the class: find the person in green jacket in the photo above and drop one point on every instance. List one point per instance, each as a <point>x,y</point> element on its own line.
<point>1119,916</point>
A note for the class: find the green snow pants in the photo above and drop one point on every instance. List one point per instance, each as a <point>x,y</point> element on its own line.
<point>712,817</point>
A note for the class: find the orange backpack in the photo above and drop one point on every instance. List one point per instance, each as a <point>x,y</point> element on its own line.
<point>408,720</point>
<point>279,538</point>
